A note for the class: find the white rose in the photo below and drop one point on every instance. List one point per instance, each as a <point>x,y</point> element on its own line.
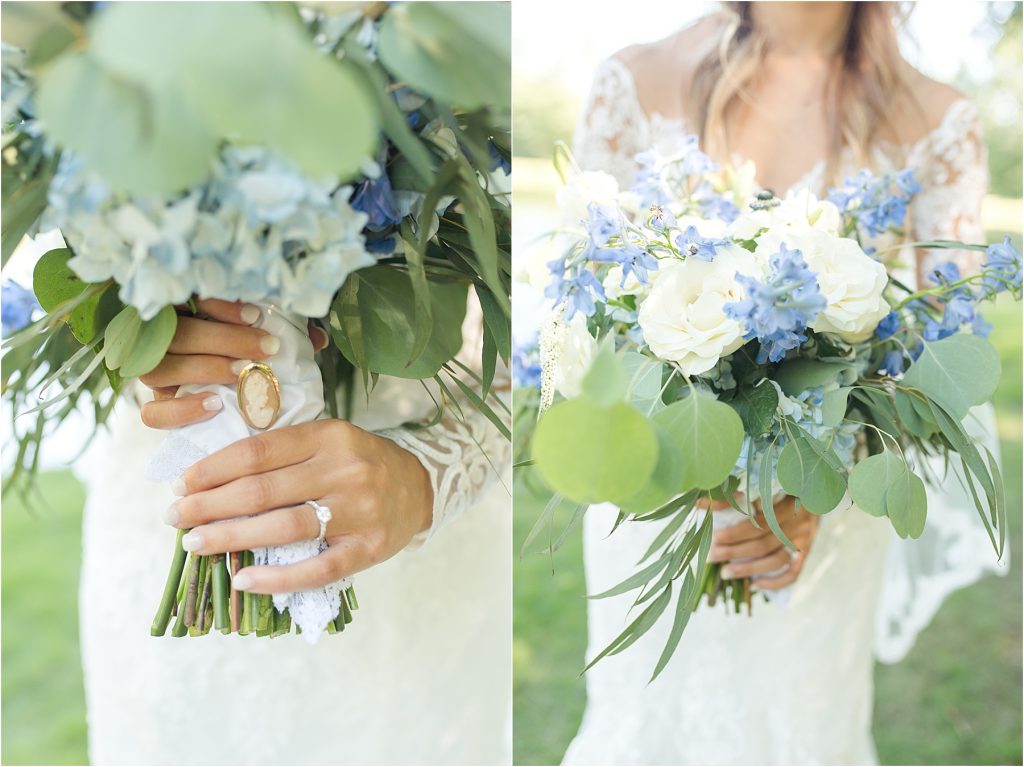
<point>583,189</point>
<point>532,264</point>
<point>851,281</point>
<point>577,350</point>
<point>799,210</point>
<point>683,319</point>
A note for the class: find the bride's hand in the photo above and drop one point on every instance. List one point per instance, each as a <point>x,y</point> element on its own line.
<point>752,551</point>
<point>211,347</point>
<point>380,496</point>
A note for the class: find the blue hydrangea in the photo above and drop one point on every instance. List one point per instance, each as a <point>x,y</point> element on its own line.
<point>1002,267</point>
<point>878,203</point>
<point>690,243</point>
<point>778,310</point>
<point>259,230</point>
<point>888,326</point>
<point>17,305</point>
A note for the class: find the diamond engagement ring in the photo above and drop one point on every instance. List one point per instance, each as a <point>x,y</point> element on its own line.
<point>323,515</point>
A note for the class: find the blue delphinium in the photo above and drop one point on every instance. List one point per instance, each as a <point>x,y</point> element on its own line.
<point>607,241</point>
<point>649,185</point>
<point>498,160</point>
<point>1002,267</point>
<point>892,364</point>
<point>17,304</point>
<point>526,368</point>
<point>713,205</point>
<point>778,310</point>
<point>690,243</point>
<point>575,286</point>
<point>878,203</point>
<point>888,326</point>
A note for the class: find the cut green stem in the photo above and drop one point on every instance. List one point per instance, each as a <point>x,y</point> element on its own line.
<point>167,601</point>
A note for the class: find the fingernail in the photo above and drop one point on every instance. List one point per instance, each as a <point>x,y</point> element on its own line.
<point>178,487</point>
<point>269,345</point>
<point>213,403</point>
<point>172,516</point>
<point>239,365</point>
<point>713,554</point>
<point>727,573</point>
<point>242,581</point>
<point>250,314</point>
<point>192,542</point>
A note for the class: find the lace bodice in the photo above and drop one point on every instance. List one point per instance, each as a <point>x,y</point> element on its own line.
<point>950,162</point>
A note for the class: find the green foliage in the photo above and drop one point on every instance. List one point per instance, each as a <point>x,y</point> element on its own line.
<point>589,453</point>
<point>883,485</point>
<point>812,472</point>
<point>756,407</point>
<point>459,52</point>
<point>376,324</point>
<point>957,372</point>
<point>158,85</point>
<point>54,284</point>
<point>709,435</point>
<point>606,382</point>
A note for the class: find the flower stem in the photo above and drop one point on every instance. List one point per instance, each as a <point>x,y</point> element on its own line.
<point>192,592</point>
<point>236,596</point>
<point>221,621</point>
<point>204,600</point>
<point>167,601</point>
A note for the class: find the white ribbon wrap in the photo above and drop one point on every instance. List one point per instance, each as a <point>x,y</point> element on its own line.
<point>302,401</point>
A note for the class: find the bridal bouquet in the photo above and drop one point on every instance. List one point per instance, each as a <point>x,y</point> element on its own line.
<point>342,163</point>
<point>713,343</point>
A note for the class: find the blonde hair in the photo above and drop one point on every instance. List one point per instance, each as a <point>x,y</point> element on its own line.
<point>867,79</point>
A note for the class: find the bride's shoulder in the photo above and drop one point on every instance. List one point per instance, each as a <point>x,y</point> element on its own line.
<point>932,104</point>
<point>661,70</point>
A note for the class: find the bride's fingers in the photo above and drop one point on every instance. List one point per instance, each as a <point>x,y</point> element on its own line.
<point>759,566</point>
<point>181,411</point>
<point>177,369</point>
<point>344,558</point>
<point>249,495</point>
<point>263,452</point>
<point>741,531</point>
<point>234,312</point>
<point>752,547</point>
<point>783,579</point>
<point>195,336</point>
<point>274,528</point>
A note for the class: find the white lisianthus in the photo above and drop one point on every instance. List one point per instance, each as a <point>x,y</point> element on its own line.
<point>576,351</point>
<point>851,281</point>
<point>683,319</point>
<point>532,264</point>
<point>584,188</point>
<point>799,211</point>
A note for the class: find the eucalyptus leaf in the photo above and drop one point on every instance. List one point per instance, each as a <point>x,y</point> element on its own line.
<point>805,472</point>
<point>591,454</point>
<point>957,372</point>
<point>664,482</point>
<point>910,416</point>
<point>871,478</point>
<point>153,339</point>
<point>644,375</point>
<point>383,334</point>
<point>833,406</point>
<point>709,435</point>
<point>120,336</point>
<point>458,52</point>
<point>907,505</point>
<point>605,381</point>
<point>797,376</point>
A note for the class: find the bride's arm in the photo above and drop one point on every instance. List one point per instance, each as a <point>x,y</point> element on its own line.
<point>464,452</point>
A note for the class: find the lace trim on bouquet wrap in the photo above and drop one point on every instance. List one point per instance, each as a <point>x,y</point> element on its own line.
<point>302,401</point>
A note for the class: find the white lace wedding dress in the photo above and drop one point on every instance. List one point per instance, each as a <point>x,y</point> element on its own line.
<point>792,684</point>
<point>422,676</point>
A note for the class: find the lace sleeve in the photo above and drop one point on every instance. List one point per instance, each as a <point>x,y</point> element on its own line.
<point>952,168</point>
<point>464,452</point>
<point>954,551</point>
<point>612,127</point>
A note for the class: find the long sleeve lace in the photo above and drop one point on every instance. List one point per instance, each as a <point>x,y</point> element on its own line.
<point>464,452</point>
<point>613,128</point>
<point>952,169</point>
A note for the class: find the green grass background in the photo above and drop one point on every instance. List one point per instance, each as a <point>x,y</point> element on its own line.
<point>956,699</point>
